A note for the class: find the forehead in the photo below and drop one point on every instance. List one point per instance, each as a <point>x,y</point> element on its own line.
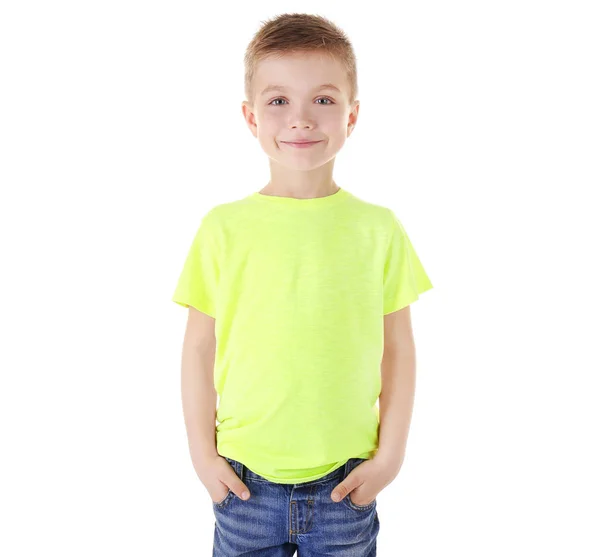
<point>299,72</point>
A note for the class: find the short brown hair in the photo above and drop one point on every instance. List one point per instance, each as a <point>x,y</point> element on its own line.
<point>296,32</point>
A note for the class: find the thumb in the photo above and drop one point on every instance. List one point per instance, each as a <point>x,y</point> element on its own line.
<point>238,486</point>
<point>345,487</point>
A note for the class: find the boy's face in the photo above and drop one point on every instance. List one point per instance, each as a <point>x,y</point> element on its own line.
<point>301,110</point>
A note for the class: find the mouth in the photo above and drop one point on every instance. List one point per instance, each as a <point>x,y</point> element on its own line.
<point>301,143</point>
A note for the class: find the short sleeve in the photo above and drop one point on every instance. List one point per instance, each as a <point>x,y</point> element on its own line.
<point>199,278</point>
<point>404,277</point>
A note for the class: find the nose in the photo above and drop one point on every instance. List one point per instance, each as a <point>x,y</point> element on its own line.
<point>301,120</point>
<point>302,124</point>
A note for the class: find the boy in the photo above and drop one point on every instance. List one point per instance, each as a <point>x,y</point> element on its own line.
<point>299,319</point>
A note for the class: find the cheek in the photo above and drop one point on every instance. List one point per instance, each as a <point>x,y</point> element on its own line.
<point>270,116</point>
<point>270,124</point>
<point>333,121</point>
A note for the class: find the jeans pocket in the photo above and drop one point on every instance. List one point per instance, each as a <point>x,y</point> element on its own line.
<point>230,495</point>
<point>352,464</point>
<point>223,501</point>
<point>356,507</point>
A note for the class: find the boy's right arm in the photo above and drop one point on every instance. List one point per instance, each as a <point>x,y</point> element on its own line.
<point>199,399</point>
<point>198,394</point>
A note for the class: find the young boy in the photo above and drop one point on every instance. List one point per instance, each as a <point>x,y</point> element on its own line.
<point>299,320</point>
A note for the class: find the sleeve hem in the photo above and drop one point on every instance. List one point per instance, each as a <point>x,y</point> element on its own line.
<point>398,305</point>
<point>202,308</point>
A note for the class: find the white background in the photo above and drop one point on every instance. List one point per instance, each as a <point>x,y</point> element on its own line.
<point>121,125</point>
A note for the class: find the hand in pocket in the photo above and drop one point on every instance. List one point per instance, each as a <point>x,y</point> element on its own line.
<point>218,477</point>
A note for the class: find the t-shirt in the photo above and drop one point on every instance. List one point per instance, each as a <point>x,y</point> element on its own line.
<point>298,289</point>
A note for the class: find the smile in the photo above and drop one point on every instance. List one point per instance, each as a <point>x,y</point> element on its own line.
<point>302,145</point>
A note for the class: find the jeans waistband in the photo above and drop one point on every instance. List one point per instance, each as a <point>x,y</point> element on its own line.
<point>243,472</point>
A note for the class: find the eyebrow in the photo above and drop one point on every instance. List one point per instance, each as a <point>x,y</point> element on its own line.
<point>270,88</point>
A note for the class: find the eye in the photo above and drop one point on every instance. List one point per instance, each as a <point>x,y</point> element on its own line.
<point>278,99</point>
<point>281,99</point>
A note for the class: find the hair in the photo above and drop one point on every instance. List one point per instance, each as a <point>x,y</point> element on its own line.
<point>296,32</point>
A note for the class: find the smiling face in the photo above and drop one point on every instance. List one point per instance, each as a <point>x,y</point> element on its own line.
<point>310,102</point>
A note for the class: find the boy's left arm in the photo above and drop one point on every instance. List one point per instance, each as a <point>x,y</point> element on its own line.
<point>398,371</point>
<point>398,380</point>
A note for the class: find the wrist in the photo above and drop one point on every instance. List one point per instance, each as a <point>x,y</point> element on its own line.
<point>390,459</point>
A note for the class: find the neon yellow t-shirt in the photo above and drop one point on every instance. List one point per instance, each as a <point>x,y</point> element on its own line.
<point>298,289</point>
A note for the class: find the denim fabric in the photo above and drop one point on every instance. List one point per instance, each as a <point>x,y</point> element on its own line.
<point>280,519</point>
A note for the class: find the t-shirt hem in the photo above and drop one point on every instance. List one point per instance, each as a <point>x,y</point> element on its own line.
<point>289,481</point>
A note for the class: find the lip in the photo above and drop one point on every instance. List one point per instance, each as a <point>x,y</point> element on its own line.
<point>301,143</point>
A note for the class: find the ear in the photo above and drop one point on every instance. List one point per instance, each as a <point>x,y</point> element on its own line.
<point>249,116</point>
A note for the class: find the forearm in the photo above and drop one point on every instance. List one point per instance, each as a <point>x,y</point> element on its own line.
<point>199,400</point>
<point>398,381</point>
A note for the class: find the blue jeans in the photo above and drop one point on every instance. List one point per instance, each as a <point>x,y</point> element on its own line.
<point>280,519</point>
